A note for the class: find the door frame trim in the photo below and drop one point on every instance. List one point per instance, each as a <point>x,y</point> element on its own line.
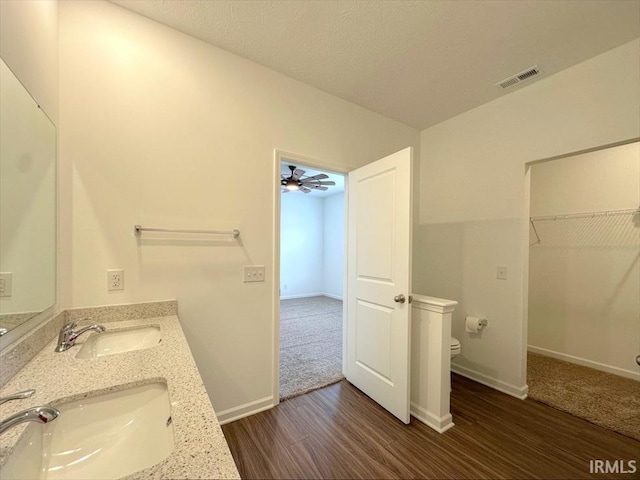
<point>278,156</point>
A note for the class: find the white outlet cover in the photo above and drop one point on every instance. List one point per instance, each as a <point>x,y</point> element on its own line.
<point>115,279</point>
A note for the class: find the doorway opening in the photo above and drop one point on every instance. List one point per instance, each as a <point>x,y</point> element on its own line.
<point>311,275</point>
<point>583,283</point>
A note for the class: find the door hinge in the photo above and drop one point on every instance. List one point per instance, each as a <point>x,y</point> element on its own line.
<point>410,298</point>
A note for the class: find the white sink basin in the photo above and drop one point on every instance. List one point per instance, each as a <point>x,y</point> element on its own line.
<point>103,437</point>
<point>119,341</point>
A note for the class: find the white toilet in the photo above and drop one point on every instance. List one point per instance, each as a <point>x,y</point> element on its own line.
<point>455,351</point>
<point>455,347</point>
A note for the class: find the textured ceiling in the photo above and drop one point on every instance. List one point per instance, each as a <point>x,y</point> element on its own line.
<point>418,62</point>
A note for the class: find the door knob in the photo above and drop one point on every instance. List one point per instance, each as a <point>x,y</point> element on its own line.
<point>638,359</point>
<point>399,298</point>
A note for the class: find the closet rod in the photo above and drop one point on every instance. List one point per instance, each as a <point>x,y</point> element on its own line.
<point>138,229</point>
<point>604,213</point>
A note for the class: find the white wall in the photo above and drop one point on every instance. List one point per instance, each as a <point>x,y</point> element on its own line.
<point>334,242</point>
<point>29,45</point>
<point>301,245</point>
<point>584,275</point>
<point>473,202</point>
<point>161,129</point>
<point>607,179</point>
<point>311,245</point>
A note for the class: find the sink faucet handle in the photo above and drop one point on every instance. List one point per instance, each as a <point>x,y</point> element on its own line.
<point>75,323</point>
<point>70,326</point>
<point>68,334</point>
<point>17,396</point>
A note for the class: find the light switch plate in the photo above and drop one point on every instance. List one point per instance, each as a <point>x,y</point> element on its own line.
<point>253,273</point>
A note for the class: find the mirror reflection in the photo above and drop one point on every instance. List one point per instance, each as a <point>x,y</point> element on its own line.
<point>27,205</point>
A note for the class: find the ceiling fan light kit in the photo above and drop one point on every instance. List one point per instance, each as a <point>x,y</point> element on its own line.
<point>297,181</point>
<point>291,185</point>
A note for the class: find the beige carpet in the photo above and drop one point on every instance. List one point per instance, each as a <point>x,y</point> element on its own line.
<point>602,398</point>
<point>310,344</point>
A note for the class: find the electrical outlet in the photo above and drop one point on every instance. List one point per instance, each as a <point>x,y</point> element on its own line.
<point>501,273</point>
<point>253,273</point>
<point>115,279</point>
<point>6,280</point>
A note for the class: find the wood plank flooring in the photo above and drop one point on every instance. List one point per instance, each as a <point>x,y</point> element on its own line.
<point>338,432</point>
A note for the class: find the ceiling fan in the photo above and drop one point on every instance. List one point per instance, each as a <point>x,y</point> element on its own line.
<point>297,181</point>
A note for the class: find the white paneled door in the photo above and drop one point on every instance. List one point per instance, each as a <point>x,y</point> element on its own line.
<point>379,281</point>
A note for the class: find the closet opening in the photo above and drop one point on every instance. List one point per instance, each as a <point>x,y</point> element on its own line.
<point>311,276</point>
<point>583,284</point>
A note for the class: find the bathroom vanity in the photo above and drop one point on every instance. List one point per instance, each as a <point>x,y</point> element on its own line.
<point>134,399</point>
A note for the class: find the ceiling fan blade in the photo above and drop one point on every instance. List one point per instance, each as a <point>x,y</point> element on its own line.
<point>284,190</point>
<point>305,189</point>
<point>316,187</point>
<point>320,176</point>
<point>315,182</point>
<point>297,173</point>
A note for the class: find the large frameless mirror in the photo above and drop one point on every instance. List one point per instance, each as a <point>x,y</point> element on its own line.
<point>27,206</point>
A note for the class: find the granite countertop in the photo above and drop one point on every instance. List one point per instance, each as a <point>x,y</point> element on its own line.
<point>201,450</point>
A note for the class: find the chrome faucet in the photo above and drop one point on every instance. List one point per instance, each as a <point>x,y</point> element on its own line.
<point>35,414</point>
<point>67,337</point>
<point>17,396</point>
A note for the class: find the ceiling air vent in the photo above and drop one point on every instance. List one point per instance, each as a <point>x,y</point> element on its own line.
<point>519,77</point>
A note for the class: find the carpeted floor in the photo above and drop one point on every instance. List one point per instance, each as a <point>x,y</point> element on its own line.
<point>602,398</point>
<point>310,344</point>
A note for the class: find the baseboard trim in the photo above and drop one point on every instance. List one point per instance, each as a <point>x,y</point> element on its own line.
<point>439,424</point>
<point>310,295</point>
<point>504,387</point>
<point>335,297</point>
<point>603,367</point>
<point>302,295</point>
<point>241,411</point>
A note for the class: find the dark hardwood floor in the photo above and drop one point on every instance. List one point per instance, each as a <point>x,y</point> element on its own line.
<point>338,432</point>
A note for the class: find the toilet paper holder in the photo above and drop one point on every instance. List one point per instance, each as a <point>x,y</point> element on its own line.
<point>475,324</point>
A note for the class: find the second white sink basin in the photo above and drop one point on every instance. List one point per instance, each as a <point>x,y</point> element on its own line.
<point>104,437</point>
<point>119,341</point>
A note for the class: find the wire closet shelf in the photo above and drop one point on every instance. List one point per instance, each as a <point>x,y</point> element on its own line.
<point>599,229</point>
